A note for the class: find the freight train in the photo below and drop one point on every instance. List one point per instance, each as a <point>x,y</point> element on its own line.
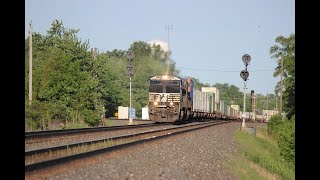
<point>173,99</point>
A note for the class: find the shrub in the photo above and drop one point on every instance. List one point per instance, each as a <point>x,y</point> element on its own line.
<point>33,115</point>
<point>284,132</point>
<point>274,124</point>
<point>91,117</point>
<point>286,140</point>
<point>38,115</point>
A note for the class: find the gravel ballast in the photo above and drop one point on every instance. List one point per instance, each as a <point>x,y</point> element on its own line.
<point>198,154</point>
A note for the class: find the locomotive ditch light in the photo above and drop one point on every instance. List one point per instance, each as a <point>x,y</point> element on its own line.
<point>171,103</point>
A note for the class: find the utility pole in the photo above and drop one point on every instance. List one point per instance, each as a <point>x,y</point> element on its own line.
<point>281,86</point>
<point>256,103</point>
<point>276,103</point>
<point>267,105</point>
<point>30,63</point>
<point>232,101</point>
<point>253,104</point>
<point>267,101</point>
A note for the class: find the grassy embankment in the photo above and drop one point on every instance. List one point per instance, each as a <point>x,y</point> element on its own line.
<point>259,157</point>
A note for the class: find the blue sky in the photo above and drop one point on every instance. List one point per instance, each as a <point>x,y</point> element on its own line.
<point>208,37</point>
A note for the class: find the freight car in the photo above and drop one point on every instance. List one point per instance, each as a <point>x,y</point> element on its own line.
<point>174,99</point>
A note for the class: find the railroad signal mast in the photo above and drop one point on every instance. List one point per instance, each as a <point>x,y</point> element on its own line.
<point>244,74</point>
<point>130,71</point>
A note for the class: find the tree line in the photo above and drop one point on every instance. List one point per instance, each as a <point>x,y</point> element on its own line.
<point>75,88</point>
<point>72,86</point>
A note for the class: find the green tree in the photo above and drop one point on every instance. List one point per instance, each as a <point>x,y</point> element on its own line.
<point>198,84</point>
<point>284,51</point>
<point>284,132</point>
<point>63,86</point>
<point>140,49</point>
<point>110,71</point>
<point>231,94</point>
<point>116,53</point>
<point>70,86</point>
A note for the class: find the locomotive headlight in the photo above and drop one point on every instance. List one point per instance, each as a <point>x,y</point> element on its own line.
<point>155,103</point>
<point>171,103</point>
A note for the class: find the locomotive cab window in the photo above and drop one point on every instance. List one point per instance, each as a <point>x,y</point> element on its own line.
<point>166,86</point>
<point>172,87</point>
<point>155,86</point>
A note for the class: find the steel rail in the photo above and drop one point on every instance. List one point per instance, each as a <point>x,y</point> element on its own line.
<point>60,132</point>
<point>61,160</point>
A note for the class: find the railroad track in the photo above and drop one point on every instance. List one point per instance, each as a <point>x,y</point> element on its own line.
<point>247,121</point>
<point>55,135</point>
<point>50,133</point>
<point>47,157</point>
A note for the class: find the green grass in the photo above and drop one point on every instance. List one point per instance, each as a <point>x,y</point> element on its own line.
<point>263,134</point>
<point>243,170</point>
<point>75,125</point>
<point>263,151</point>
<point>107,122</point>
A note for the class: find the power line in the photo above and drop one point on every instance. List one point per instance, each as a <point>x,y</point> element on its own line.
<point>220,70</point>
